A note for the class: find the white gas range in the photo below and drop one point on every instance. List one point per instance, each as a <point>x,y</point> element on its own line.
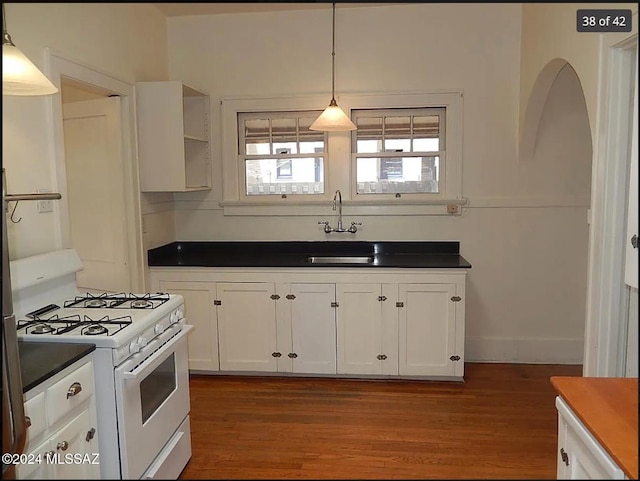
<point>142,379</point>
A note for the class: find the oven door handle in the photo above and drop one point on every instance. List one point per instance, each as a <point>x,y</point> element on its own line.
<point>157,357</point>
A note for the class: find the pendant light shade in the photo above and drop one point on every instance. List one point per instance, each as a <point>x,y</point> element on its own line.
<point>19,75</point>
<point>333,119</point>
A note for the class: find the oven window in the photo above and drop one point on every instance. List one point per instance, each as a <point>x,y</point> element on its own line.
<point>157,387</point>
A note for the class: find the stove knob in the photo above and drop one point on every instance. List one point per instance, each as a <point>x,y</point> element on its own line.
<point>142,342</point>
<point>134,347</point>
<point>173,318</point>
<point>179,314</point>
<point>159,329</point>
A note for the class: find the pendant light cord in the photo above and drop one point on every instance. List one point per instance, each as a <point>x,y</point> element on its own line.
<point>6,38</point>
<point>333,57</point>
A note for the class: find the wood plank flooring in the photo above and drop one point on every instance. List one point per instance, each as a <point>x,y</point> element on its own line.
<point>501,423</point>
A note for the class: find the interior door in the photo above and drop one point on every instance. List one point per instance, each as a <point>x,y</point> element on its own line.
<point>95,190</point>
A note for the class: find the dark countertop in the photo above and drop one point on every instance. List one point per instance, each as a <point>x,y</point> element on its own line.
<point>39,360</point>
<point>405,254</point>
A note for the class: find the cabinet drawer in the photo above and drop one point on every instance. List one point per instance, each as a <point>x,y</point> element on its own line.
<point>34,409</point>
<point>69,392</point>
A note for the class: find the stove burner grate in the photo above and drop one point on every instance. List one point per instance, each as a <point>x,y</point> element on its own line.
<point>71,325</point>
<point>121,301</point>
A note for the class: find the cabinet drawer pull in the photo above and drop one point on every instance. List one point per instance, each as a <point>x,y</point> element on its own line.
<point>27,421</point>
<point>63,445</point>
<point>276,354</point>
<point>564,456</point>
<point>74,389</point>
<point>292,355</point>
<point>90,434</point>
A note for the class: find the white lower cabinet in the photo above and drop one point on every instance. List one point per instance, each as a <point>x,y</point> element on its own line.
<point>199,312</point>
<point>246,326</point>
<point>64,441</point>
<point>322,322</point>
<point>367,328</point>
<point>306,328</point>
<point>427,330</point>
<point>580,455</point>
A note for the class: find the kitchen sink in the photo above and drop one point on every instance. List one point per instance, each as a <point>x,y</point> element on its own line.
<point>340,259</point>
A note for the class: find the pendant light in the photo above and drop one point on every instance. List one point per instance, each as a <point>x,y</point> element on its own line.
<point>19,75</point>
<point>333,119</point>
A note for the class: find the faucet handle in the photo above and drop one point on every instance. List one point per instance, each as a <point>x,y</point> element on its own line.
<point>327,227</point>
<point>353,229</point>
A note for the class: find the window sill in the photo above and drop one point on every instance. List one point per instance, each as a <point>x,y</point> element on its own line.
<point>350,208</point>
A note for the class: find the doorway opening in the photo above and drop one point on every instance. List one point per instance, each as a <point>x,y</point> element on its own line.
<point>94,167</point>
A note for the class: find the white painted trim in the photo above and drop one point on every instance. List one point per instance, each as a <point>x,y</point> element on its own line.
<point>57,66</point>
<point>231,179</point>
<point>607,296</point>
<point>524,350</point>
<point>451,100</point>
<point>380,208</point>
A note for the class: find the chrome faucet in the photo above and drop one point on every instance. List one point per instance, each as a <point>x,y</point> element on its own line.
<point>337,203</point>
<point>338,196</point>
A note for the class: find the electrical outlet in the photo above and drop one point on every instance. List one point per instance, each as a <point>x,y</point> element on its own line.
<point>44,206</point>
<point>453,209</point>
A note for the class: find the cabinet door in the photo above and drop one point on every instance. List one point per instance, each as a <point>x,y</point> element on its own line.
<point>313,328</point>
<point>359,323</point>
<point>199,311</point>
<point>37,466</point>
<point>246,326</point>
<point>73,451</point>
<point>173,137</point>
<point>427,325</point>
<point>584,456</point>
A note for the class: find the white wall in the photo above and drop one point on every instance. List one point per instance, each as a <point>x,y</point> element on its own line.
<point>125,41</point>
<point>545,39</point>
<point>524,234</point>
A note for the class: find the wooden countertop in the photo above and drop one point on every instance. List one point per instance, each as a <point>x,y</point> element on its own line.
<point>608,407</point>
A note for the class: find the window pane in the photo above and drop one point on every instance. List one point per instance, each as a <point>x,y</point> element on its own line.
<point>273,176</point>
<point>257,136</point>
<point>397,127</point>
<point>398,174</point>
<point>284,134</point>
<point>426,133</point>
<point>368,135</point>
<point>311,141</point>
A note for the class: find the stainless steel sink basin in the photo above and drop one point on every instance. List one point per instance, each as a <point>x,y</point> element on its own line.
<point>340,259</point>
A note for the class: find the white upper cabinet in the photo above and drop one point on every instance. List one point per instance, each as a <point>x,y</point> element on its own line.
<point>173,137</point>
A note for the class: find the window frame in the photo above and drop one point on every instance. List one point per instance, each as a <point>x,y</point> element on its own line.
<point>339,168</point>
<point>387,155</point>
<point>450,175</point>
<point>282,153</point>
<point>233,170</point>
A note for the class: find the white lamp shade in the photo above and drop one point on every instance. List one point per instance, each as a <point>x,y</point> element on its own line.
<point>20,76</point>
<point>333,119</point>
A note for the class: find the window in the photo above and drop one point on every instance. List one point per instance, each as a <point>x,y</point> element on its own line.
<point>399,151</point>
<point>404,158</point>
<point>279,155</point>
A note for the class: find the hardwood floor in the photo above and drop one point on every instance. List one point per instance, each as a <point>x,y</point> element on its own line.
<point>500,423</point>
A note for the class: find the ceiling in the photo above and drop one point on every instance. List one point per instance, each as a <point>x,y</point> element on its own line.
<point>205,8</point>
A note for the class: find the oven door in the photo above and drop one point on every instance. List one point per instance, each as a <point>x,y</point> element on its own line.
<point>152,400</point>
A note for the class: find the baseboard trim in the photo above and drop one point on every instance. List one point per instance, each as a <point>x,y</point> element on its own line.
<point>524,350</point>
